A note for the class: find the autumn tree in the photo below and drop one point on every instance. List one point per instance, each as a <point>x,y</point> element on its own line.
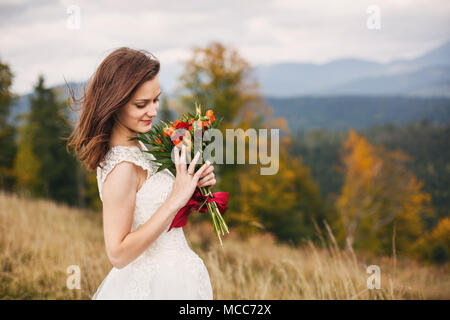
<point>379,197</point>
<point>218,78</point>
<point>434,246</point>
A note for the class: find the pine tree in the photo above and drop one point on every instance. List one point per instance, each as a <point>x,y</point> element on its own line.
<point>47,124</point>
<point>7,131</point>
<point>27,166</point>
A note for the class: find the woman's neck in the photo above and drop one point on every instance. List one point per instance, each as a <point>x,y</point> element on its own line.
<point>120,137</point>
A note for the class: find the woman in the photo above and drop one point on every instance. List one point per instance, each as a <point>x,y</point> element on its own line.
<point>139,204</point>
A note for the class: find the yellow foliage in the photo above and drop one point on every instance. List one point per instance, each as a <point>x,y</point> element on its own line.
<point>379,191</point>
<point>26,166</point>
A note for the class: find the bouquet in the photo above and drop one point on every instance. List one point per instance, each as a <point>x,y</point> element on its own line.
<point>160,141</point>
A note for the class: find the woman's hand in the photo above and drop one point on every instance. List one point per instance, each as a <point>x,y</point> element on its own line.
<point>186,179</point>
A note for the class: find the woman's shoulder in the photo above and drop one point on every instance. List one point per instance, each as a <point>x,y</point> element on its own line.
<point>118,154</point>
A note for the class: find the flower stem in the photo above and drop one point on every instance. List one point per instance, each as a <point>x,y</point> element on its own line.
<point>216,216</point>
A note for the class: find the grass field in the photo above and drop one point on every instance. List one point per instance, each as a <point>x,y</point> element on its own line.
<point>39,240</point>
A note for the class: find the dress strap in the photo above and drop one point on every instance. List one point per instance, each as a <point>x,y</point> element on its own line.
<point>118,154</point>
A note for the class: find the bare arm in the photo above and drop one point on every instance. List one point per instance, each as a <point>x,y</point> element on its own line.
<point>122,245</point>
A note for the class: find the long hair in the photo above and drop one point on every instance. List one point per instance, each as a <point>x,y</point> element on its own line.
<point>109,89</point>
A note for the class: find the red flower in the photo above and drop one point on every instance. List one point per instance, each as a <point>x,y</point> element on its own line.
<point>182,125</point>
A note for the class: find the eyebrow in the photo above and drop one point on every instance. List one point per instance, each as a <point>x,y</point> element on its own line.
<point>146,100</point>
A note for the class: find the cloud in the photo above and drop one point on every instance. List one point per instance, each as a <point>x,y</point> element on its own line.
<point>35,38</point>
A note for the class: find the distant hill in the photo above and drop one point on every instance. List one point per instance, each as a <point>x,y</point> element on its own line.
<point>359,112</point>
<point>427,75</point>
<point>428,81</point>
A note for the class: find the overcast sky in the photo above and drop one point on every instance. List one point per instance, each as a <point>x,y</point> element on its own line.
<point>35,37</point>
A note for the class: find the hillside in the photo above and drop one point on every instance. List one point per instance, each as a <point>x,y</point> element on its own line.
<point>359,112</point>
<point>39,239</point>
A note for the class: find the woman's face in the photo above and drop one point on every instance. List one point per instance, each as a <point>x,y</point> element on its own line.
<point>141,108</point>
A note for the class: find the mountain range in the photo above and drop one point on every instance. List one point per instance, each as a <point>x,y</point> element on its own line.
<point>374,91</point>
<point>427,75</point>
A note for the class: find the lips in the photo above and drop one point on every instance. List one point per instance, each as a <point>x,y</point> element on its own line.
<point>147,122</point>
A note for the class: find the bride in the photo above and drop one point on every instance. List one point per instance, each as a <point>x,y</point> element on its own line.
<point>149,262</point>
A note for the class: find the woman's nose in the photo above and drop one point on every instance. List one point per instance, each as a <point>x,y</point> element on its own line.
<point>153,108</point>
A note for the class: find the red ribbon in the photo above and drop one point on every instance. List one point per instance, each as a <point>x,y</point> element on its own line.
<point>220,198</point>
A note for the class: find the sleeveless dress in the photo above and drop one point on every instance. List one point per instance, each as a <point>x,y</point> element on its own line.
<point>168,268</point>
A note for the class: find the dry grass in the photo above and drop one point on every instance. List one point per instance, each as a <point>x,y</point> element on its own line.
<point>40,239</point>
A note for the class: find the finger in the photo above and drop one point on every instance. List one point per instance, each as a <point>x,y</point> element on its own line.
<point>177,158</point>
<point>209,170</point>
<point>205,180</point>
<point>207,183</point>
<point>207,177</point>
<point>191,168</point>
<point>201,170</point>
<point>183,158</point>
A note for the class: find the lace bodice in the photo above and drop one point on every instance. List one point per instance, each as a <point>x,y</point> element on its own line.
<point>118,154</point>
<point>155,189</point>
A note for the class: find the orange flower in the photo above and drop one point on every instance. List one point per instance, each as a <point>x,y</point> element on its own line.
<point>190,127</point>
<point>169,131</point>
<point>178,142</point>
<point>191,120</point>
<point>175,123</point>
<point>210,116</point>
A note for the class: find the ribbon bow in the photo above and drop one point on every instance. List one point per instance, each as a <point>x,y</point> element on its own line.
<point>198,200</point>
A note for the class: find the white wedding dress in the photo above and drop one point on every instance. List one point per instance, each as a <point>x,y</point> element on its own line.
<point>168,268</point>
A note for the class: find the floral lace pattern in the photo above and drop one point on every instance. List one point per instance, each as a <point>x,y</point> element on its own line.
<point>168,268</point>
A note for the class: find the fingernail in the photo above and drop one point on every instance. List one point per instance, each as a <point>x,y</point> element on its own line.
<point>207,162</point>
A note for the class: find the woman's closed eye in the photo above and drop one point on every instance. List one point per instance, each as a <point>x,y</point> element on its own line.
<point>140,106</point>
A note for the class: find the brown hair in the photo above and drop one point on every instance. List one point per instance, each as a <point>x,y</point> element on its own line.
<point>109,89</point>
